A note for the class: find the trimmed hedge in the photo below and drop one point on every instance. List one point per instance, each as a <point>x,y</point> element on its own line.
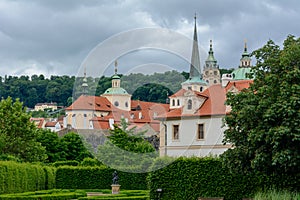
<point>65,163</point>
<point>23,177</point>
<point>190,178</point>
<point>45,195</point>
<point>97,178</point>
<point>124,194</point>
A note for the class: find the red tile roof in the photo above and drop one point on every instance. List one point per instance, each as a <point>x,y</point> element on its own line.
<point>50,124</point>
<point>142,113</point>
<point>97,103</point>
<point>38,121</point>
<point>214,104</point>
<point>239,84</point>
<point>181,92</point>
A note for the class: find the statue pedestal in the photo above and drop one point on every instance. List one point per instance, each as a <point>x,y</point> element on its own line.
<point>115,188</point>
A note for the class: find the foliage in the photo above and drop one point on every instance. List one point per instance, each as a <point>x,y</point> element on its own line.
<point>65,163</point>
<point>97,177</point>
<point>46,195</point>
<point>17,134</point>
<point>91,162</point>
<point>22,177</point>
<point>152,92</point>
<point>75,147</point>
<point>55,149</point>
<point>263,125</point>
<point>191,178</point>
<point>226,71</point>
<point>127,150</point>
<point>275,195</point>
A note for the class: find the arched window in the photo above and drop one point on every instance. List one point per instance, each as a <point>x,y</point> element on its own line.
<point>178,102</point>
<point>201,89</point>
<point>189,104</point>
<point>126,104</point>
<point>173,102</point>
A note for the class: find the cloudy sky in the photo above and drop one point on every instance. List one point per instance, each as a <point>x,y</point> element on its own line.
<point>56,37</point>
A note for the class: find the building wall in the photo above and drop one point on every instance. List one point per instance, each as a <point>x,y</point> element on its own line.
<point>124,101</point>
<point>79,119</point>
<point>188,144</point>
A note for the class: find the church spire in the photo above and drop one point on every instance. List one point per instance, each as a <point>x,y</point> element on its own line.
<point>195,70</point>
<point>211,57</point>
<point>245,61</point>
<point>84,83</point>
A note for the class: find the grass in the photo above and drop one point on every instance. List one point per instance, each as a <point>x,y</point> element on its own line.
<point>277,195</point>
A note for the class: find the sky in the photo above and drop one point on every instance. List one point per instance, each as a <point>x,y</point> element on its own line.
<point>66,37</point>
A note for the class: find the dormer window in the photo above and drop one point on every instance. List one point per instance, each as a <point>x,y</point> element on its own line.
<point>173,102</point>
<point>189,104</point>
<point>178,102</point>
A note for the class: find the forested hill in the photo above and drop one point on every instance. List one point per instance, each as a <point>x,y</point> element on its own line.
<point>60,89</point>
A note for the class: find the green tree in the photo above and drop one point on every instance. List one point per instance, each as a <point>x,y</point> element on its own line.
<point>55,149</point>
<point>75,147</point>
<point>127,150</point>
<point>18,135</point>
<point>264,122</point>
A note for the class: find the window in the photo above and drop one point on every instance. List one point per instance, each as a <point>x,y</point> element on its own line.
<point>200,132</point>
<point>173,102</point>
<point>175,132</point>
<point>116,103</point>
<point>215,73</point>
<point>215,81</point>
<point>178,102</point>
<point>189,88</point>
<point>189,104</point>
<point>126,104</point>
<point>201,89</point>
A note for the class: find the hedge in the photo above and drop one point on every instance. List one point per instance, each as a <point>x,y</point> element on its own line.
<point>97,178</point>
<point>45,195</point>
<point>23,177</point>
<point>190,178</point>
<point>65,163</point>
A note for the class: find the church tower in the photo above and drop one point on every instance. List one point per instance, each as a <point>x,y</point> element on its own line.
<point>245,61</point>
<point>84,84</point>
<point>211,73</point>
<point>116,95</point>
<point>195,81</point>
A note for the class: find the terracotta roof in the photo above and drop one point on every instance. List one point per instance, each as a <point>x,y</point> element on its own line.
<point>38,121</point>
<point>97,103</point>
<point>142,113</point>
<point>50,124</point>
<point>238,84</point>
<point>214,104</point>
<point>181,92</point>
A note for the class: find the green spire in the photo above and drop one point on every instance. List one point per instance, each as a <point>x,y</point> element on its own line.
<point>195,70</point>
<point>211,53</point>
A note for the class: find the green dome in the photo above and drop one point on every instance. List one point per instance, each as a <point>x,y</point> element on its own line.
<point>115,76</point>
<point>117,90</point>
<point>195,80</point>
<point>240,73</point>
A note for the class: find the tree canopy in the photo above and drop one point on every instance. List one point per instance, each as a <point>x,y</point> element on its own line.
<point>17,134</point>
<point>264,123</point>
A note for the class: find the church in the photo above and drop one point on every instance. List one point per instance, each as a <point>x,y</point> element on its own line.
<point>193,126</point>
<point>190,125</point>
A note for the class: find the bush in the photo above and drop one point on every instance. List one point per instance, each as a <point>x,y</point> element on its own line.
<point>65,163</point>
<point>190,178</point>
<point>97,178</point>
<point>21,177</point>
<point>91,162</point>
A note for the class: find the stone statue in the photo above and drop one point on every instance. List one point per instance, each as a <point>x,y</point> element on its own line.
<point>115,178</point>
